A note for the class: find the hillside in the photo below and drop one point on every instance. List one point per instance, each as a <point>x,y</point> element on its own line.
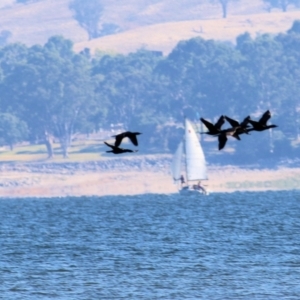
<point>165,36</point>
<point>152,24</point>
<point>36,22</point>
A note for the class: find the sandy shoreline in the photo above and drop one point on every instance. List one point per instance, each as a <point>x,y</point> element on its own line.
<point>114,182</point>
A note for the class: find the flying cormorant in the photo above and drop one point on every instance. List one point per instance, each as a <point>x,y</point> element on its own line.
<point>242,127</point>
<point>213,129</point>
<point>261,124</point>
<point>117,150</point>
<point>227,132</point>
<point>131,135</point>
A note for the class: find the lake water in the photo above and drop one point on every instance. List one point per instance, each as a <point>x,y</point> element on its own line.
<point>223,246</point>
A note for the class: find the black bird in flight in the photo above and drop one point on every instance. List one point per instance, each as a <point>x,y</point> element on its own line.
<point>242,127</point>
<point>117,150</point>
<point>213,129</point>
<point>237,129</point>
<point>128,134</point>
<point>261,124</point>
<point>227,132</point>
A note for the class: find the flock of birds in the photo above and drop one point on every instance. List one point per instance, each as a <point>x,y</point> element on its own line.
<point>235,131</point>
<point>237,128</point>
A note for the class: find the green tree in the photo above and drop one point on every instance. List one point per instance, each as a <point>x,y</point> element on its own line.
<point>134,91</point>
<point>88,14</point>
<point>224,5</point>
<point>53,92</point>
<point>295,27</point>
<point>262,59</point>
<point>290,72</point>
<point>202,76</point>
<point>12,130</point>
<point>5,35</point>
<point>127,82</point>
<point>282,4</point>
<point>12,55</point>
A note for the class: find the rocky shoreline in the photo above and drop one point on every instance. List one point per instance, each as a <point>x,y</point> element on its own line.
<point>129,176</point>
<point>30,174</point>
<point>123,164</point>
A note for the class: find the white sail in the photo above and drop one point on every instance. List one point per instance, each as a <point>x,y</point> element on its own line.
<point>194,156</point>
<point>176,163</point>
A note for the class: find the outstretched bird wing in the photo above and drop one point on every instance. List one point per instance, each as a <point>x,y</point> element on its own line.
<point>133,139</point>
<point>232,122</point>
<point>128,134</point>
<point>236,135</point>
<point>119,138</point>
<point>220,122</point>
<point>245,121</point>
<point>209,125</point>
<point>265,117</point>
<point>244,126</point>
<point>252,122</point>
<point>111,146</point>
<point>222,141</point>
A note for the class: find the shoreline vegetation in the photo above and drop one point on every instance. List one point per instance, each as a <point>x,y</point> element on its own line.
<point>193,72</point>
<point>130,176</point>
<point>68,120</point>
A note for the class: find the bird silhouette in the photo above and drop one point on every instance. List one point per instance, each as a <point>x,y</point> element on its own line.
<point>131,135</point>
<point>242,127</point>
<point>117,150</point>
<point>213,129</point>
<point>222,137</point>
<point>261,124</point>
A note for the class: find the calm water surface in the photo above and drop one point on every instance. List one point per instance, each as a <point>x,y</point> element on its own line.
<point>224,246</point>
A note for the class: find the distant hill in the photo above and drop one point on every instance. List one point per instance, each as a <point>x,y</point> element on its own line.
<point>165,36</point>
<point>150,24</point>
<point>34,23</point>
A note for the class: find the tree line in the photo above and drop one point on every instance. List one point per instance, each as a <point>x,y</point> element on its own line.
<point>50,91</point>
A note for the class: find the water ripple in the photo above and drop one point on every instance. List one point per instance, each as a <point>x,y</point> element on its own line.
<point>225,246</point>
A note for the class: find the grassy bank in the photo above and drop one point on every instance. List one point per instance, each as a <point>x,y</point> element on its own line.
<point>80,150</point>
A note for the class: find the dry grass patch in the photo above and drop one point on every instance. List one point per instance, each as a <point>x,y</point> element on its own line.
<point>79,151</point>
<point>165,36</point>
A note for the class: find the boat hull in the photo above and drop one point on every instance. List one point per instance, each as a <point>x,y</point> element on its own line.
<point>191,191</point>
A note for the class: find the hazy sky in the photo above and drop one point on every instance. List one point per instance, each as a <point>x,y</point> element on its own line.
<point>3,3</point>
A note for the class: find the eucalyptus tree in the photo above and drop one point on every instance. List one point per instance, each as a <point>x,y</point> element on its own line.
<point>12,58</point>
<point>281,4</point>
<point>12,130</point>
<point>202,77</point>
<point>272,64</point>
<point>128,85</point>
<point>12,55</point>
<point>290,71</point>
<point>135,93</point>
<point>5,35</point>
<point>262,58</point>
<point>88,14</point>
<point>224,5</point>
<point>52,91</point>
<point>67,92</point>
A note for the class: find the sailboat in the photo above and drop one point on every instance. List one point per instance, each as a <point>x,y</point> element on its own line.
<point>190,151</point>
